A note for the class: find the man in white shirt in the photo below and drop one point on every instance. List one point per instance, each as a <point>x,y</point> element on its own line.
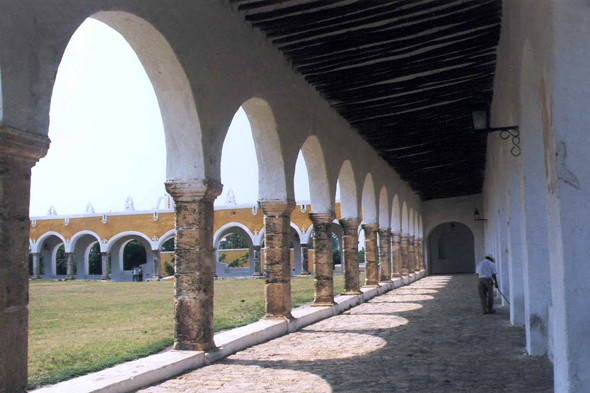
<point>486,270</point>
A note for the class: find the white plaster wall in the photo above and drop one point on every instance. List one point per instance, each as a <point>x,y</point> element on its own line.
<point>542,83</point>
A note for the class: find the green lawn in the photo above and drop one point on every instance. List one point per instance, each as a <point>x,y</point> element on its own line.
<point>80,327</point>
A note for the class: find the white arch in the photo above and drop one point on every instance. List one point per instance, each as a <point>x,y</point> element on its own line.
<point>416,227</point>
<point>53,262</point>
<point>122,254</point>
<point>319,187</point>
<point>36,246</point>
<point>226,229</point>
<point>87,257</point>
<point>182,126</point>
<point>405,229</point>
<point>165,237</point>
<point>411,222</point>
<point>348,195</point>
<point>396,219</point>
<point>369,201</point>
<point>272,183</point>
<point>74,239</point>
<point>383,208</point>
<point>112,240</point>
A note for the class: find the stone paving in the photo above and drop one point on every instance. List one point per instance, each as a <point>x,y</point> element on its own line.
<point>429,336</point>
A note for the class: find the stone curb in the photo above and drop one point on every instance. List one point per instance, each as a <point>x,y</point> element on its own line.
<point>143,372</point>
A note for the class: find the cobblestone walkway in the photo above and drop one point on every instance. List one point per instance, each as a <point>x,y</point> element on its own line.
<point>429,336</point>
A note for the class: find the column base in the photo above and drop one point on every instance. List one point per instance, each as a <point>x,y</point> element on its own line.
<point>35,277</point>
<point>105,278</point>
<point>396,275</point>
<point>351,293</point>
<point>323,304</point>
<point>257,274</point>
<point>405,273</point>
<point>387,280</point>
<point>69,278</point>
<point>179,346</point>
<point>304,273</point>
<point>372,286</point>
<point>271,317</point>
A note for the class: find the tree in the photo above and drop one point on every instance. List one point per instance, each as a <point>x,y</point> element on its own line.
<point>222,257</point>
<point>233,241</point>
<point>336,260</point>
<point>61,261</point>
<point>362,255</point>
<point>168,245</point>
<point>134,254</point>
<point>94,260</point>
<point>242,261</point>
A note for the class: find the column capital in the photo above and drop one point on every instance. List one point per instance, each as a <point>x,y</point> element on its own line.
<point>384,231</point>
<point>23,145</point>
<point>256,247</point>
<point>277,208</point>
<point>35,254</point>
<point>350,223</point>
<point>194,190</point>
<point>322,218</point>
<point>370,227</point>
<point>397,237</point>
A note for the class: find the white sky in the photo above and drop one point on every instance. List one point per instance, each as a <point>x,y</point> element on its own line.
<point>108,139</point>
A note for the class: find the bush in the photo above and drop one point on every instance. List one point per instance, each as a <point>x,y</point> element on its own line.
<point>169,268</point>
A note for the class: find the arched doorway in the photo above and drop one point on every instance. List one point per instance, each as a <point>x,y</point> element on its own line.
<point>451,249</point>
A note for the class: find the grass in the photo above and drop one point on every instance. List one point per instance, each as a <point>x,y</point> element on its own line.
<point>80,327</point>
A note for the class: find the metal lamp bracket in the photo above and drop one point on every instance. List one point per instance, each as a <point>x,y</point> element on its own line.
<point>509,132</point>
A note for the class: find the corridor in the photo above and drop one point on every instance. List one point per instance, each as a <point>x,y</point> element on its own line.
<point>429,336</point>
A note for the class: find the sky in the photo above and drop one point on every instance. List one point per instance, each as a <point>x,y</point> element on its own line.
<point>108,139</point>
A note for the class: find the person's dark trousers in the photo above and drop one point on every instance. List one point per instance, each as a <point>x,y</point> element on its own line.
<point>140,279</point>
<point>134,278</point>
<point>486,294</point>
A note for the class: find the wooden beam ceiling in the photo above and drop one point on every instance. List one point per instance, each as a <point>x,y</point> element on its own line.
<point>403,73</point>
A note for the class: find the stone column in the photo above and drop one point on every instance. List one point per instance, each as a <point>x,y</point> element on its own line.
<point>385,254</point>
<point>257,264</point>
<point>104,258</point>
<point>157,264</point>
<point>405,256</point>
<point>371,263</point>
<point>305,260</point>
<point>416,255</point>
<point>350,255</point>
<point>411,255</point>
<point>195,263</point>
<point>36,267</point>
<point>19,151</point>
<point>323,265</point>
<point>396,254</point>
<point>421,254</point>
<point>70,266</point>
<point>277,266</point>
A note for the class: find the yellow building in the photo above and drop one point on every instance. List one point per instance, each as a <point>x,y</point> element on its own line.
<point>81,235</point>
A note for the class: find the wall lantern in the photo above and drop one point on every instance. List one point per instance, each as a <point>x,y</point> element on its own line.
<point>481,124</point>
<point>476,216</point>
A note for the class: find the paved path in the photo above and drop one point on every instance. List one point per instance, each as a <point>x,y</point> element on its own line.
<point>426,337</point>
